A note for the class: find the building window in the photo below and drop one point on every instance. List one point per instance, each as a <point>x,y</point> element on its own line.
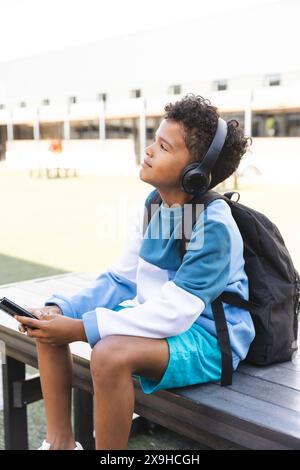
<point>269,125</point>
<point>276,125</point>
<point>102,97</point>
<point>221,85</point>
<point>46,102</point>
<point>84,129</point>
<point>137,93</point>
<point>51,130</point>
<point>174,89</point>
<point>72,100</point>
<point>22,104</point>
<point>2,106</point>
<point>293,125</point>
<point>23,131</point>
<point>127,128</point>
<point>273,80</point>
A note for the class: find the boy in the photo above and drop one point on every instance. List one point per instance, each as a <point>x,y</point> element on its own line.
<point>166,334</point>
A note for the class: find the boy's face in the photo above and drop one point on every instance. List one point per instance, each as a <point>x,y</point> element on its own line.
<point>166,158</point>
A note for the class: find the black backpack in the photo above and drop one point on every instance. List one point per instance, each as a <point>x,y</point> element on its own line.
<point>274,286</point>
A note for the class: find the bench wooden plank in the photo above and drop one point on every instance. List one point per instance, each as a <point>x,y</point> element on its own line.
<point>80,281</point>
<point>274,373</point>
<point>25,298</point>
<point>71,278</point>
<point>85,276</point>
<point>58,286</point>
<point>292,365</point>
<point>198,415</point>
<point>37,280</point>
<point>46,289</point>
<point>247,412</point>
<point>266,391</point>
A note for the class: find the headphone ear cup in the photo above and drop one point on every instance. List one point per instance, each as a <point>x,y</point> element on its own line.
<point>194,181</point>
<point>185,179</point>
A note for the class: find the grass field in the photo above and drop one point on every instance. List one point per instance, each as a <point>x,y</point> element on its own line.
<point>50,226</point>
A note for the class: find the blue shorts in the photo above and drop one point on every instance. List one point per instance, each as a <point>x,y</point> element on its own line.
<point>194,358</point>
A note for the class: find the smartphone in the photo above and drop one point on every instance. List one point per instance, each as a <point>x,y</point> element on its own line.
<point>13,309</point>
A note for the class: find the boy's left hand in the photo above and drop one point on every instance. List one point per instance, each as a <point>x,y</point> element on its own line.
<point>54,329</point>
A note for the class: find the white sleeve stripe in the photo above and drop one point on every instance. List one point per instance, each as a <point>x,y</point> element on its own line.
<point>169,314</point>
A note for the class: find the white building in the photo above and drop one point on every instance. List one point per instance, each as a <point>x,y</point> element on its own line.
<point>105,99</point>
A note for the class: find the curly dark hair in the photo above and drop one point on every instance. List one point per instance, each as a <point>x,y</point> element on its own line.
<point>199,120</point>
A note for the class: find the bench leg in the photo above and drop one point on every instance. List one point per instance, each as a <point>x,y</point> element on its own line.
<point>15,419</point>
<point>83,418</point>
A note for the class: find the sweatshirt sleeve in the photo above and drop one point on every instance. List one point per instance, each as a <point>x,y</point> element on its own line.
<point>115,285</point>
<point>202,276</point>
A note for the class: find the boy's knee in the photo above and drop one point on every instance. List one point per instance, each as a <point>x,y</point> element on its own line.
<point>107,356</point>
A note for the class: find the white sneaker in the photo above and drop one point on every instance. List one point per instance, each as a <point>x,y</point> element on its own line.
<point>78,446</point>
<point>46,446</point>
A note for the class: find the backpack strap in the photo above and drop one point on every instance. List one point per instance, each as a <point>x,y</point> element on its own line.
<point>223,339</point>
<point>222,330</point>
<point>237,301</point>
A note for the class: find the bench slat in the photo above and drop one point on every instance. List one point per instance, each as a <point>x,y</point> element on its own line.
<point>72,278</point>
<point>58,286</point>
<point>46,289</point>
<point>266,391</point>
<point>55,276</point>
<point>295,366</point>
<point>22,297</point>
<point>251,412</point>
<point>164,406</point>
<point>85,276</point>
<point>275,374</point>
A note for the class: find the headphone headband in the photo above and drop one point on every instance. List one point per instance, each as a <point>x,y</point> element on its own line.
<point>210,158</point>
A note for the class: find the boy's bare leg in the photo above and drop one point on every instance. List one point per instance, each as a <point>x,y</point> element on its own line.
<point>55,365</point>
<point>114,360</point>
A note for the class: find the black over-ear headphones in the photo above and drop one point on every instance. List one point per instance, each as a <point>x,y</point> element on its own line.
<point>196,177</point>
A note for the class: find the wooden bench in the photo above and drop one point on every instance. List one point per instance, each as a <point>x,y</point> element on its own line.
<point>261,410</point>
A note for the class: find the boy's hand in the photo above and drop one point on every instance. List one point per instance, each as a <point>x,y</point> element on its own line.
<point>54,329</point>
<point>41,313</point>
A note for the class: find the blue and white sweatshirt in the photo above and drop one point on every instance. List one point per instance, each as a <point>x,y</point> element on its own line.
<point>165,294</point>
